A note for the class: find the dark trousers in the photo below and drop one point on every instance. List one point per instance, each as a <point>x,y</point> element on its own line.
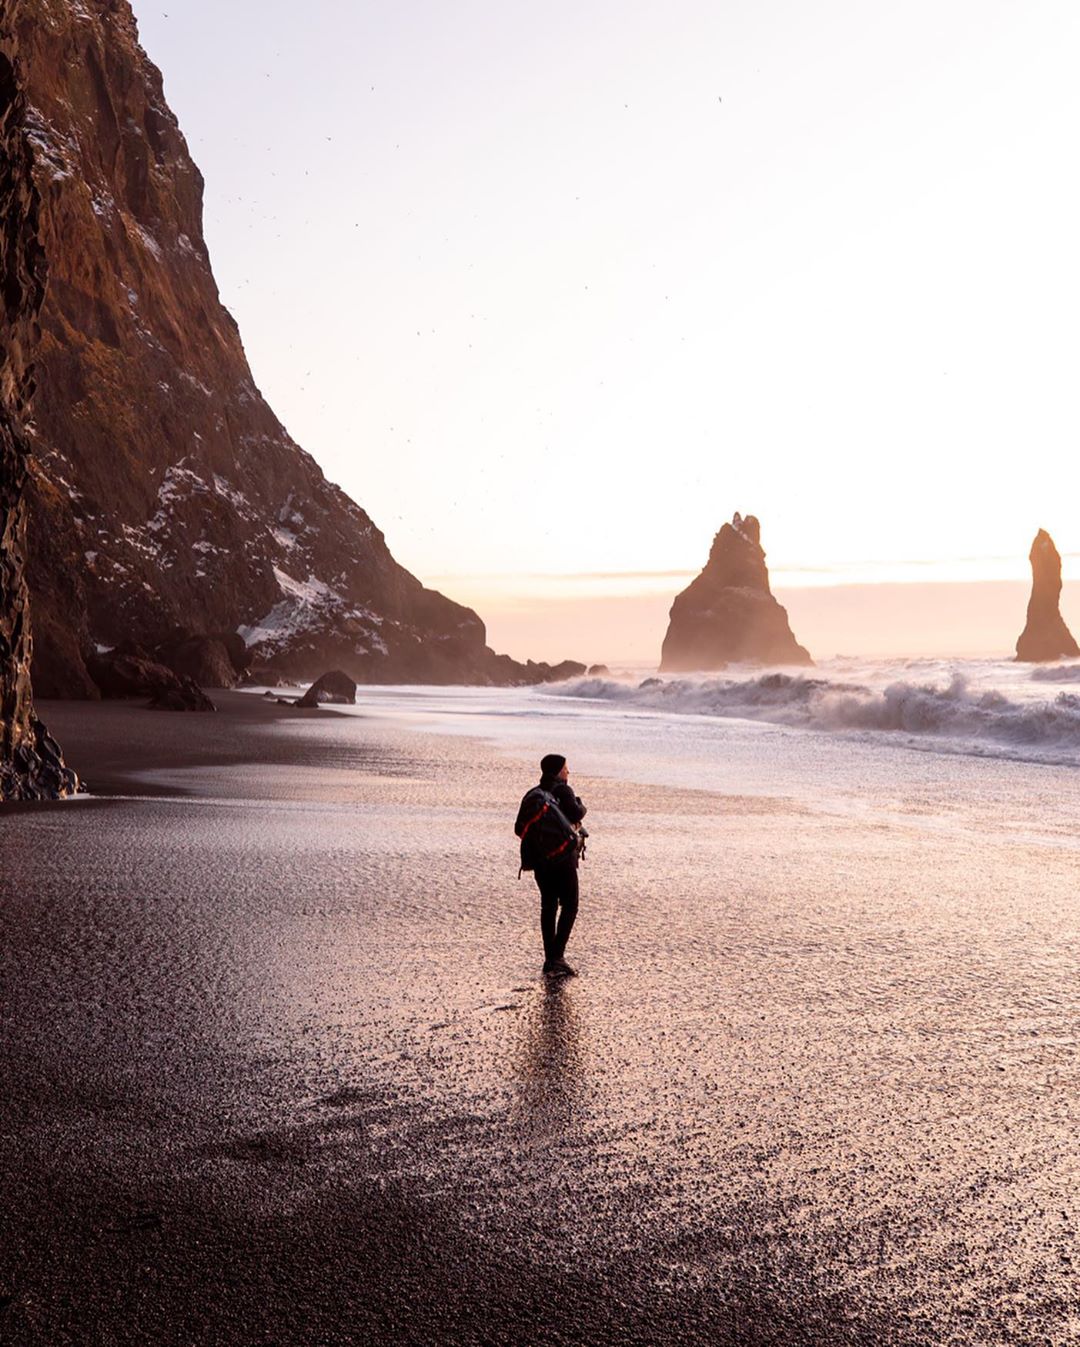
<point>558,885</point>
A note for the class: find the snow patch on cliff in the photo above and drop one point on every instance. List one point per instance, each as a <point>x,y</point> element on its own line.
<point>54,151</point>
<point>147,240</point>
<point>312,590</point>
<point>236,499</point>
<point>310,605</point>
<point>305,605</point>
<point>197,384</point>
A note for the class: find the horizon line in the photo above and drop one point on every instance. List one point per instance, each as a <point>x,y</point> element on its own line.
<point>780,578</point>
<point>674,573</point>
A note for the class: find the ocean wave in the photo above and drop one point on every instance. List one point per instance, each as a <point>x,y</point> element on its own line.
<point>953,711</point>
<point>1058,673</point>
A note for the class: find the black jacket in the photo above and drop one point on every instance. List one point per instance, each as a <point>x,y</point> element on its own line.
<point>565,798</point>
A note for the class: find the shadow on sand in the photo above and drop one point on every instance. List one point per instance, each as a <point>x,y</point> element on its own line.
<point>549,1074</point>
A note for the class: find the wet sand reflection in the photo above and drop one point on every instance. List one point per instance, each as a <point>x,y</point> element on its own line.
<point>549,1069</point>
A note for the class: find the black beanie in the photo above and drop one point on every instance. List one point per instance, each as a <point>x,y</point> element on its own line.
<point>552,764</point>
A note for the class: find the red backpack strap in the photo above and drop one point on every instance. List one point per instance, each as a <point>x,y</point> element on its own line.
<point>535,819</point>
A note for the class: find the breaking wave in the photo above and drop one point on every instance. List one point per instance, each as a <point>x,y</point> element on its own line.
<point>984,720</point>
<point>1058,673</point>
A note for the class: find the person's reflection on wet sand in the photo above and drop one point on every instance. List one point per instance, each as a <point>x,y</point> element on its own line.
<point>549,1072</point>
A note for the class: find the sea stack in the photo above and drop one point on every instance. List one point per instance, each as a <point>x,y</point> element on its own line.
<point>31,767</point>
<point>728,614</point>
<point>1045,635</point>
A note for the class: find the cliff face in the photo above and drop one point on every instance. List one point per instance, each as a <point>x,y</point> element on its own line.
<point>728,614</point>
<point>1045,635</point>
<point>31,767</point>
<point>167,499</point>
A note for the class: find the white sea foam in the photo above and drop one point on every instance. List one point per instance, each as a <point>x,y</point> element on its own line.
<point>1057,673</point>
<point>952,712</point>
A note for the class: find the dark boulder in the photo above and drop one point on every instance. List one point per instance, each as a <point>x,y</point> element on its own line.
<point>130,671</point>
<point>236,649</point>
<point>729,614</point>
<point>598,671</point>
<point>187,696</point>
<point>211,661</point>
<point>553,673</point>
<point>35,769</point>
<point>1045,635</point>
<point>335,688</point>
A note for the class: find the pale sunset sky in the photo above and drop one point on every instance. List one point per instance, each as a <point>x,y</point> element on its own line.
<point>552,290</point>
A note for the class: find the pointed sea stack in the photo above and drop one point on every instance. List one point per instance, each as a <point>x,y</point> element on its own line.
<point>1045,636</point>
<point>31,767</point>
<point>728,614</point>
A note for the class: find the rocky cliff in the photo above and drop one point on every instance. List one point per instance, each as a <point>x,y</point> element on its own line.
<point>31,767</point>
<point>1045,635</point>
<point>167,499</point>
<point>728,614</point>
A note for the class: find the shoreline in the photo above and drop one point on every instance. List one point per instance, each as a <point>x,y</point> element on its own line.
<point>126,745</point>
<point>144,753</point>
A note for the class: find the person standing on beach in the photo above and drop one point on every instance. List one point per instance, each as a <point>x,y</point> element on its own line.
<point>557,874</point>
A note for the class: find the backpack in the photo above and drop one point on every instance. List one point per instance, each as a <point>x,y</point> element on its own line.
<point>545,831</point>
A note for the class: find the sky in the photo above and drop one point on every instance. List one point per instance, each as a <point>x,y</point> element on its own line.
<point>553,290</point>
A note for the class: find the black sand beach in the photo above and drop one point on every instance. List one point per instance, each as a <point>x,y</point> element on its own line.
<point>279,1066</point>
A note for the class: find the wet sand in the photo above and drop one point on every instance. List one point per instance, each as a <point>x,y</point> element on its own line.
<point>280,1068</point>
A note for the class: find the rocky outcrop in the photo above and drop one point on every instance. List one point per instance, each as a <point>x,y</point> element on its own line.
<point>1045,635</point>
<point>543,673</point>
<point>334,687</point>
<point>728,614</point>
<point>166,494</point>
<point>131,671</point>
<point>219,661</point>
<point>187,697</point>
<point>31,765</point>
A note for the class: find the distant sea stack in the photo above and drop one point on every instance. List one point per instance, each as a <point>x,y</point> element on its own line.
<point>31,767</point>
<point>728,614</point>
<point>168,505</point>
<point>1045,636</point>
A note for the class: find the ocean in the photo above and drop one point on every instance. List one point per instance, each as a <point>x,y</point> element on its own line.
<point>986,708</point>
